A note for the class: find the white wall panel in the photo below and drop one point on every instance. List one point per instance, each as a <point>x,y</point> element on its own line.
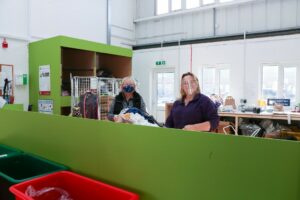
<point>69,17</point>
<point>245,18</point>
<point>145,8</point>
<point>273,14</point>
<point>167,28</point>
<point>14,17</point>
<point>188,26</point>
<point>298,13</point>
<point>232,20</point>
<point>259,16</point>
<point>122,22</point>
<point>17,55</point>
<point>178,27</point>
<point>208,23</point>
<point>221,17</point>
<point>245,81</point>
<point>288,13</point>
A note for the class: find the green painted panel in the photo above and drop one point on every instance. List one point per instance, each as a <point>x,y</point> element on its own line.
<point>65,101</point>
<point>48,52</point>
<point>45,52</point>
<point>19,107</point>
<point>93,46</point>
<point>161,163</point>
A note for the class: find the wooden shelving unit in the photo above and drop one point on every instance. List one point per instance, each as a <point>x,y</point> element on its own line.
<point>68,56</point>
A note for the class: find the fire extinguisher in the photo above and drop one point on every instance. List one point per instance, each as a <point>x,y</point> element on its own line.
<point>4,44</point>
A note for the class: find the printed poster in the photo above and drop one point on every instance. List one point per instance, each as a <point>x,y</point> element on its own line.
<point>45,106</point>
<point>44,80</point>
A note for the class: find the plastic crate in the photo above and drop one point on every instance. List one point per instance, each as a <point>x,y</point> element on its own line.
<point>6,151</point>
<point>78,188</point>
<point>22,167</point>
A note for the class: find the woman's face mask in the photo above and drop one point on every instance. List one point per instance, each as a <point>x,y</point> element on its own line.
<point>128,88</point>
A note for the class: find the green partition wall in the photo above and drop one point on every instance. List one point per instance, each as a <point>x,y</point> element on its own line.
<point>161,163</point>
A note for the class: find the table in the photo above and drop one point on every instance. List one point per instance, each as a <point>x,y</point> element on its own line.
<point>289,116</point>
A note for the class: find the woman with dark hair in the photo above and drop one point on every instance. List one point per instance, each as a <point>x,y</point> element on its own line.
<point>127,98</point>
<point>193,111</point>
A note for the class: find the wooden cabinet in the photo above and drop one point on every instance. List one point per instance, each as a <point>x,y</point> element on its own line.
<point>68,56</point>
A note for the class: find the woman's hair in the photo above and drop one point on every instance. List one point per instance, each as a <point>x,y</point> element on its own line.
<point>129,79</point>
<point>182,93</point>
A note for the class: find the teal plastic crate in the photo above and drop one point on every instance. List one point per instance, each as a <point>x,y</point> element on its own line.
<point>6,151</point>
<point>23,167</point>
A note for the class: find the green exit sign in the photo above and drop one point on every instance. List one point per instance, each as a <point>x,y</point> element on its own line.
<point>160,62</point>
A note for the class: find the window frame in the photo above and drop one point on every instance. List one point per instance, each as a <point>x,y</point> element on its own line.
<point>183,6</point>
<point>280,81</point>
<point>218,68</point>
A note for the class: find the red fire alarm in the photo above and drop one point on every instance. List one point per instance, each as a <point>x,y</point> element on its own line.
<point>4,44</point>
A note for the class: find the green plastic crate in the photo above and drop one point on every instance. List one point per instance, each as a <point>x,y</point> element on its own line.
<point>23,167</point>
<point>6,151</point>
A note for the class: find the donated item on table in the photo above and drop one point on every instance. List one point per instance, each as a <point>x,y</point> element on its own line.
<point>66,185</point>
<point>89,105</point>
<point>229,104</point>
<point>137,116</point>
<point>217,100</point>
<point>278,107</point>
<point>252,130</point>
<point>230,101</point>
<point>268,126</point>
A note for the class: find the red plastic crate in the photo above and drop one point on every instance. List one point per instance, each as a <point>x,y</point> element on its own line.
<point>79,188</point>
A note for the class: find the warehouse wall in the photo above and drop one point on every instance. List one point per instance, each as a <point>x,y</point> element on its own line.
<point>245,59</point>
<point>209,21</point>
<point>24,21</point>
<point>122,26</point>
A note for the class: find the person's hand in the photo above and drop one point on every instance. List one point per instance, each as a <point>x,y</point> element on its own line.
<point>118,118</point>
<point>189,128</point>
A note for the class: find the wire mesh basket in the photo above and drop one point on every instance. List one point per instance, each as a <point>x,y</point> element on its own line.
<point>105,89</point>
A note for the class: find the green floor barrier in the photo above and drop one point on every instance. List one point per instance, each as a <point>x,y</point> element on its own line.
<point>161,163</point>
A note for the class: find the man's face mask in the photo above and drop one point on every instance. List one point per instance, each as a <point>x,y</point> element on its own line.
<point>128,88</point>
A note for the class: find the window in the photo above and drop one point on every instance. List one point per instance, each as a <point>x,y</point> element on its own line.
<point>224,1</point>
<point>216,80</point>
<point>176,5</point>
<point>289,86</point>
<point>192,4</point>
<point>205,2</point>
<point>165,88</point>
<point>279,82</point>
<point>224,89</point>
<point>166,6</point>
<point>270,82</point>
<point>209,81</point>
<point>162,6</point>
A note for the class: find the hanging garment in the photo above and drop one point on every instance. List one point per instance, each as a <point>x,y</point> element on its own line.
<point>89,105</point>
